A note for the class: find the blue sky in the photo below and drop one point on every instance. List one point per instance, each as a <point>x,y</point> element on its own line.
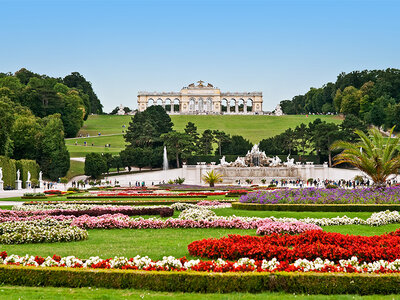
<point>281,48</point>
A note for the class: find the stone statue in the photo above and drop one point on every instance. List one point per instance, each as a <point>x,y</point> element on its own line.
<point>29,176</point>
<point>276,161</point>
<point>210,85</point>
<point>290,161</point>
<point>40,176</point>
<point>18,174</point>
<point>1,174</point>
<point>223,162</point>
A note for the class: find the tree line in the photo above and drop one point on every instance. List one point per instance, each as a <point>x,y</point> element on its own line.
<point>373,96</point>
<point>38,111</point>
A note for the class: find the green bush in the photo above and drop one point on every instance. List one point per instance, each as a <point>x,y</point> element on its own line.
<point>316,207</point>
<point>9,171</point>
<point>203,282</point>
<point>331,186</point>
<point>25,165</point>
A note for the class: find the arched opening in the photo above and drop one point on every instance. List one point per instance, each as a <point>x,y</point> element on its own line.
<point>209,105</point>
<point>249,105</point>
<point>176,105</point>
<point>200,105</point>
<point>192,105</point>
<point>167,104</point>
<point>150,102</point>
<point>232,105</point>
<point>241,105</point>
<point>224,105</point>
<point>160,102</point>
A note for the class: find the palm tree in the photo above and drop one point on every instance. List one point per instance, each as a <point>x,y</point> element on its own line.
<point>212,178</point>
<point>375,155</point>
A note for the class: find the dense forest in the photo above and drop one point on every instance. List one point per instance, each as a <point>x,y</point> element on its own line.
<point>373,96</point>
<point>38,111</point>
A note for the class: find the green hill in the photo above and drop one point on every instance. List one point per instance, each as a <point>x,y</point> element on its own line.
<point>254,128</point>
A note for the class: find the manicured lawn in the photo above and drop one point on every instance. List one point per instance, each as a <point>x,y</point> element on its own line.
<point>16,292</point>
<point>154,243</point>
<point>76,168</point>
<point>254,128</point>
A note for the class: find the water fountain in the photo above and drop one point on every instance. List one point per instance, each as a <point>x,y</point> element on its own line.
<point>165,159</point>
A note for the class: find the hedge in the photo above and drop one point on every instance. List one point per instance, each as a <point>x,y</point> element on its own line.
<point>25,165</point>
<point>9,171</point>
<point>317,207</point>
<point>118,202</point>
<point>135,197</point>
<point>204,282</point>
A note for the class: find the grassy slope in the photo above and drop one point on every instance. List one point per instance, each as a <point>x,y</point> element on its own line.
<point>254,128</point>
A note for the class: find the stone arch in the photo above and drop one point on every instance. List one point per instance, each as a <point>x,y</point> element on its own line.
<point>209,104</point>
<point>150,102</point>
<point>241,105</point>
<point>160,102</point>
<point>168,104</point>
<point>176,105</point>
<point>232,105</point>
<point>249,105</point>
<point>224,105</point>
<point>200,105</point>
<point>192,104</point>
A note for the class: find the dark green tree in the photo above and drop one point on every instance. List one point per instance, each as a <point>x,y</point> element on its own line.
<point>220,137</point>
<point>206,142</point>
<point>53,156</point>
<point>95,165</point>
<point>178,144</point>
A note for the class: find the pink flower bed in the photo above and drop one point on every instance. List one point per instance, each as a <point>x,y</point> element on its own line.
<point>122,221</point>
<point>285,227</point>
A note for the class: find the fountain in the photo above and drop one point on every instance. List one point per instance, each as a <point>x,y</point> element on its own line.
<point>165,159</point>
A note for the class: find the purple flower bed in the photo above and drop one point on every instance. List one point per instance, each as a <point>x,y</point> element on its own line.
<point>390,195</point>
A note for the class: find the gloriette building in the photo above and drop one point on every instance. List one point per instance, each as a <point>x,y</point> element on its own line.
<point>203,99</point>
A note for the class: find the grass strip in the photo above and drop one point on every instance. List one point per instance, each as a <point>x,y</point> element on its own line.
<point>204,282</point>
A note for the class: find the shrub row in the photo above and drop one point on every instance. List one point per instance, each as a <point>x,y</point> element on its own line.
<point>25,165</point>
<point>317,207</point>
<point>9,171</point>
<point>119,202</point>
<point>135,197</point>
<point>203,282</point>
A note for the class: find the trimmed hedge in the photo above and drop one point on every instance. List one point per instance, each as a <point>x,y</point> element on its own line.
<point>25,165</point>
<point>204,282</point>
<point>134,197</point>
<point>9,171</point>
<point>317,207</point>
<point>118,202</point>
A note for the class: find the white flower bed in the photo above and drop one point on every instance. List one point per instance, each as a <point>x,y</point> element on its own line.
<point>61,206</point>
<point>197,214</point>
<point>40,231</point>
<point>170,263</point>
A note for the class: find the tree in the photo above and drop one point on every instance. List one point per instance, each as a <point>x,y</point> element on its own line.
<point>109,161</point>
<point>95,165</point>
<point>349,124</point>
<point>25,134</point>
<point>212,178</point>
<point>220,137</point>
<point>206,142</point>
<point>191,130</point>
<point>302,135</point>
<point>117,162</point>
<point>53,155</point>
<point>6,120</point>
<point>324,135</point>
<point>374,154</point>
<point>178,144</point>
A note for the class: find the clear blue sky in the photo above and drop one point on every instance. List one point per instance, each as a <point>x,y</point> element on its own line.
<point>281,48</point>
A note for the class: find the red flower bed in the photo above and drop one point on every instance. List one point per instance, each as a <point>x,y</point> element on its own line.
<point>52,192</point>
<point>308,245</point>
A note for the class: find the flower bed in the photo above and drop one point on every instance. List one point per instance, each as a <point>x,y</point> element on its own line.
<point>309,245</point>
<point>285,227</point>
<point>390,195</point>
<point>316,207</point>
<point>170,263</point>
<point>201,204</point>
<point>123,202</point>
<point>40,231</point>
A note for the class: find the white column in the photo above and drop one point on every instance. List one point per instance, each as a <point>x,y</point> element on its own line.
<point>172,107</point>
<point>236,107</point>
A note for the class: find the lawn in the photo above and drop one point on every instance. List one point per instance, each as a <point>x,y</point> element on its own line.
<point>157,243</point>
<point>254,128</point>
<point>16,292</point>
<point>76,168</point>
